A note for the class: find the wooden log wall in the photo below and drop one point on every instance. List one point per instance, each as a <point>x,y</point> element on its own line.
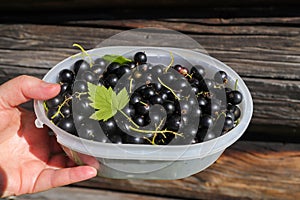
<point>261,43</point>
<point>264,51</point>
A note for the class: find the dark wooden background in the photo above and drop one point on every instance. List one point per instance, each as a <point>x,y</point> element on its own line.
<point>259,39</point>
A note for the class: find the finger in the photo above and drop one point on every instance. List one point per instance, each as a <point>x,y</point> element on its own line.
<point>58,160</point>
<point>50,178</point>
<point>55,147</point>
<point>23,88</point>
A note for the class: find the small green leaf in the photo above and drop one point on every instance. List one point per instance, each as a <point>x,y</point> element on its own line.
<point>106,101</point>
<point>116,58</point>
<point>122,99</point>
<point>99,95</point>
<point>103,114</point>
<point>92,88</point>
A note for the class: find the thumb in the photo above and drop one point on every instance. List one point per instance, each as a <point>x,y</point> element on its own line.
<point>24,88</point>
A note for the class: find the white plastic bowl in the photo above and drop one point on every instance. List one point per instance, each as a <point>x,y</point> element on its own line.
<point>124,161</point>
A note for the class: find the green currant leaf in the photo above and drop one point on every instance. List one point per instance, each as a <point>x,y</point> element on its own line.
<point>116,58</point>
<point>106,101</point>
<point>122,99</point>
<point>103,114</point>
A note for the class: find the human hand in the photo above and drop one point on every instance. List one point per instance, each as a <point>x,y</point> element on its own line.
<point>31,160</point>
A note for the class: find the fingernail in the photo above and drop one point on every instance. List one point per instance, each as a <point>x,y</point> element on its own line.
<point>47,85</point>
<point>92,172</point>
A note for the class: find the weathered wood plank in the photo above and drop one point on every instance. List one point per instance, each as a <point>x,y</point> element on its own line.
<point>289,21</point>
<point>189,27</point>
<point>246,170</point>
<point>259,55</point>
<point>67,193</point>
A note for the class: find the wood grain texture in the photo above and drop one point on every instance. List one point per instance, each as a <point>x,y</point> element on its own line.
<point>246,170</point>
<point>67,193</point>
<point>266,55</point>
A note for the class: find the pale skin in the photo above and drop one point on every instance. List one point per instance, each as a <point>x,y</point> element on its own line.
<point>30,160</point>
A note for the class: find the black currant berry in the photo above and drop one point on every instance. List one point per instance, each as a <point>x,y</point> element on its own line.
<point>207,85</point>
<point>234,97</point>
<point>228,124</point>
<point>235,110</point>
<point>156,70</point>
<point>130,111</point>
<point>112,67</point>
<point>111,80</point>
<point>140,58</point>
<point>100,62</point>
<point>66,76</point>
<point>141,108</point>
<point>206,122</point>
<point>53,115</point>
<point>109,126</point>
<point>168,78</point>
<point>54,102</point>
<point>88,76</point>
<point>173,122</point>
<point>80,86</point>
<point>202,101</point>
<point>156,86</point>
<point>82,106</point>
<point>123,69</point>
<point>198,72</point>
<point>169,107</point>
<point>67,124</point>
<point>156,99</point>
<point>135,98</point>
<point>195,89</point>
<point>97,69</point>
<point>164,96</point>
<point>131,65</point>
<point>147,93</point>
<point>230,115</point>
<point>65,87</point>
<point>81,65</point>
<point>129,139</point>
<point>66,110</point>
<point>139,120</point>
<point>180,85</point>
<point>221,77</point>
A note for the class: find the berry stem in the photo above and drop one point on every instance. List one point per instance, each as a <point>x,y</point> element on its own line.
<point>220,114</point>
<point>78,94</point>
<point>85,53</point>
<point>168,88</point>
<point>60,106</point>
<point>188,75</point>
<point>171,63</point>
<point>45,106</point>
<point>236,84</point>
<point>237,122</point>
<point>129,119</point>
<point>155,132</point>
<point>145,104</point>
<point>130,85</point>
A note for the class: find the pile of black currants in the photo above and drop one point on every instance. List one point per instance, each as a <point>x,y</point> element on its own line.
<point>171,104</point>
